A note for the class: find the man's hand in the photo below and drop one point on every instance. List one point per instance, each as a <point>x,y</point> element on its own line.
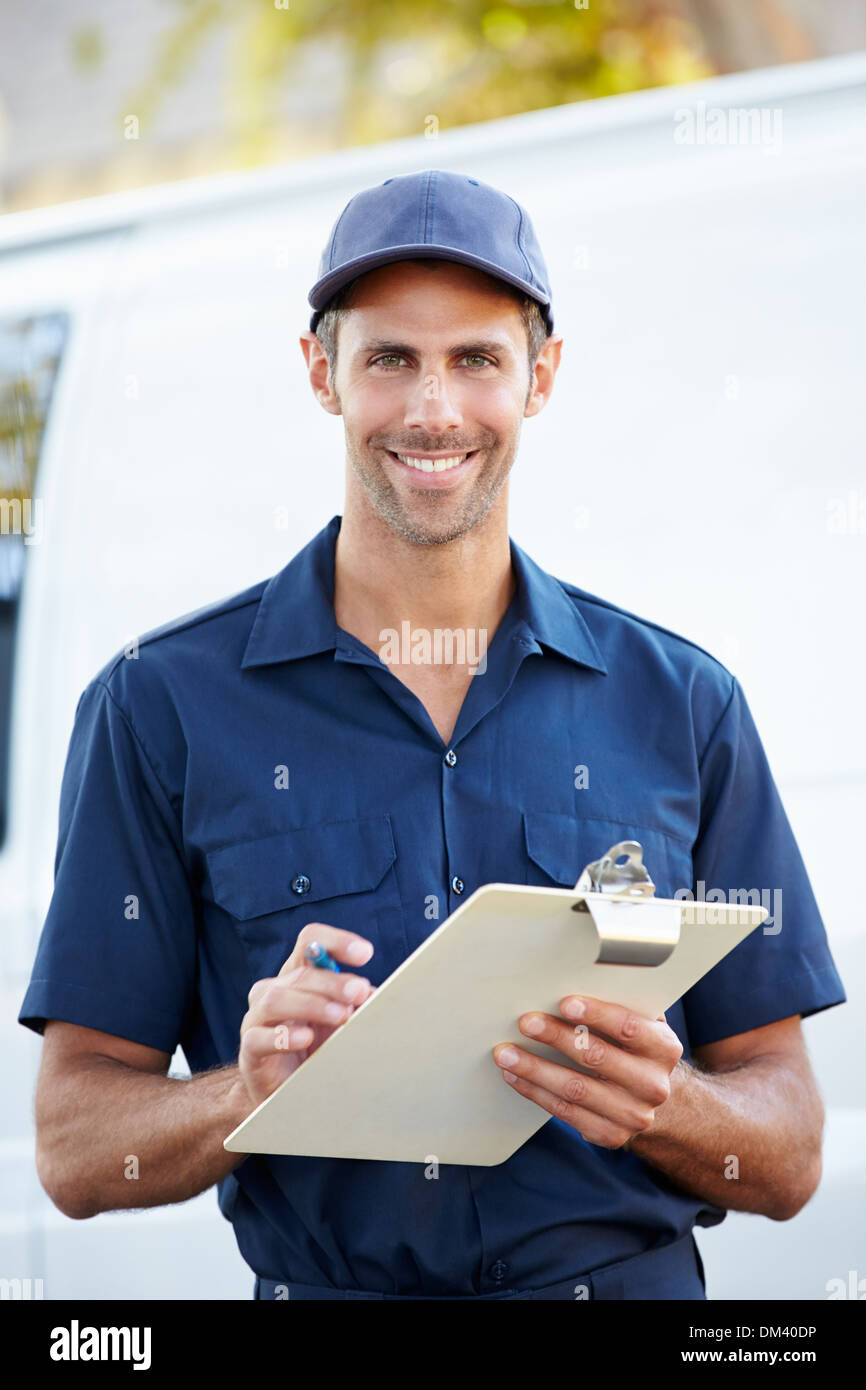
<point>629,1060</point>
<point>291,1016</point>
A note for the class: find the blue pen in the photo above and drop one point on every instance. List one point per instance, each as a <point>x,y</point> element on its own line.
<point>319,956</point>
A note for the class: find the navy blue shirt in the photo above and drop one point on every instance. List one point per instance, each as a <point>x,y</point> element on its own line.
<point>254,743</point>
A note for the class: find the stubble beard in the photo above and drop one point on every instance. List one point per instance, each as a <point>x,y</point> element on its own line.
<point>432,518</point>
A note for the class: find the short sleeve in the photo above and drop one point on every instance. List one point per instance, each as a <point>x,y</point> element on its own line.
<point>746,846</point>
<point>118,947</point>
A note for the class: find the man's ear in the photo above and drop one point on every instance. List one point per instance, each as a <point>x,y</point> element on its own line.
<point>317,366</point>
<point>543,376</point>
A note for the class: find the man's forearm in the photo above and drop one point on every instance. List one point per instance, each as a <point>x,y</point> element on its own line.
<point>136,1139</point>
<point>748,1138</point>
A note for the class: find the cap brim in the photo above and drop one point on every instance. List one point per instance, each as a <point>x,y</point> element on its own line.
<point>325,289</point>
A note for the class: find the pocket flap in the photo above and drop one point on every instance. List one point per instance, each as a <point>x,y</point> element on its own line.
<point>255,877</point>
<point>553,842</point>
<point>563,846</point>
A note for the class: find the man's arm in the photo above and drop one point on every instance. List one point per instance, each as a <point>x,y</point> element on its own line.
<point>742,1128</point>
<point>750,1106</point>
<point>115,1132</point>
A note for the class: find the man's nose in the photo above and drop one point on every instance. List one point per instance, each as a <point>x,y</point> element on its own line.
<point>431,405</point>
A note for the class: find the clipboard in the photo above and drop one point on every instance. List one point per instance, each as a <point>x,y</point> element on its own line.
<point>410,1076</point>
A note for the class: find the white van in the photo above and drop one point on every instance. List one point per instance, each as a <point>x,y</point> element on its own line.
<point>700,463</point>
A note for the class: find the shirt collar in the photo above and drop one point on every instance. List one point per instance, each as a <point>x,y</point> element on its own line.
<point>551,616</point>
<point>295,616</point>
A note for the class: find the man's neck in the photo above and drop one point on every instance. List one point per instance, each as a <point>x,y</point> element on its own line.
<point>383,580</point>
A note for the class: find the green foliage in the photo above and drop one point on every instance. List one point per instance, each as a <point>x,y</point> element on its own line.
<point>87,48</point>
<point>404,63</point>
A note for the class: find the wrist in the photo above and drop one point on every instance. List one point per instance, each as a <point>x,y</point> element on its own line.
<point>239,1103</point>
<point>664,1124</point>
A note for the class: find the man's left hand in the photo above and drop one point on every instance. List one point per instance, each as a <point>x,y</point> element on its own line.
<point>629,1058</point>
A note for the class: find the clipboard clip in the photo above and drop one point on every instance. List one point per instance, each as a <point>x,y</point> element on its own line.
<point>632,927</point>
<point>607,875</point>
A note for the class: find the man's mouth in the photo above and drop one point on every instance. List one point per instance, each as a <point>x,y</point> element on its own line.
<point>426,463</point>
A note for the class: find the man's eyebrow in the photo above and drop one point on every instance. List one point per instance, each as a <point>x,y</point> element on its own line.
<point>493,346</point>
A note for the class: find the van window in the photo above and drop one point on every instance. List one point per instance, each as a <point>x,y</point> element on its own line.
<point>30,352</point>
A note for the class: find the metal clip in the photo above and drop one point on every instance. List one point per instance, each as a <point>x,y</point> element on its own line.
<point>632,929</point>
<point>606,875</point>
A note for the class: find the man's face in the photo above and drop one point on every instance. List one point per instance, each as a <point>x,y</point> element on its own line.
<point>431,365</point>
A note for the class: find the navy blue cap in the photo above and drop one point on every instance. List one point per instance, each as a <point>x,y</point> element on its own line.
<point>437,214</point>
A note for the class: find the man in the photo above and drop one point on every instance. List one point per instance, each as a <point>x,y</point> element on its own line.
<point>277,769</point>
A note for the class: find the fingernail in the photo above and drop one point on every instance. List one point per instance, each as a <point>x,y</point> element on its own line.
<point>507,1057</point>
<point>334,1012</point>
<point>534,1026</point>
<point>574,1008</point>
<point>353,989</point>
<point>359,951</point>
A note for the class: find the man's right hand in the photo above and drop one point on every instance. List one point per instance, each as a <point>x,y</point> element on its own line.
<point>291,1016</point>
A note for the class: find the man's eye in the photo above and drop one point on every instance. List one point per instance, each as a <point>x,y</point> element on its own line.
<point>478,357</point>
<point>388,356</point>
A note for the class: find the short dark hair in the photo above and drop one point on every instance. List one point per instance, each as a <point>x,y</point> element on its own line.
<point>333,315</point>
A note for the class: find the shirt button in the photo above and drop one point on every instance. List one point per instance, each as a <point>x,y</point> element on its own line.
<point>457,884</point>
<point>450,757</point>
<point>300,884</point>
<point>498,1271</point>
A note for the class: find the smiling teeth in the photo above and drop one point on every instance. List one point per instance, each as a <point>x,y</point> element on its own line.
<point>433,465</point>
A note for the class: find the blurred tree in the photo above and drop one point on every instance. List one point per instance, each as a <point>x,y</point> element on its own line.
<point>221,84</point>
<point>87,49</point>
<point>406,64</point>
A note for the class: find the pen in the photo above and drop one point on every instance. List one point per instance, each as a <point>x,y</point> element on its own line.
<point>319,956</point>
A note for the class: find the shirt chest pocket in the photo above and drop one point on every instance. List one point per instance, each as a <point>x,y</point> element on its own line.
<point>341,873</point>
<point>561,846</point>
